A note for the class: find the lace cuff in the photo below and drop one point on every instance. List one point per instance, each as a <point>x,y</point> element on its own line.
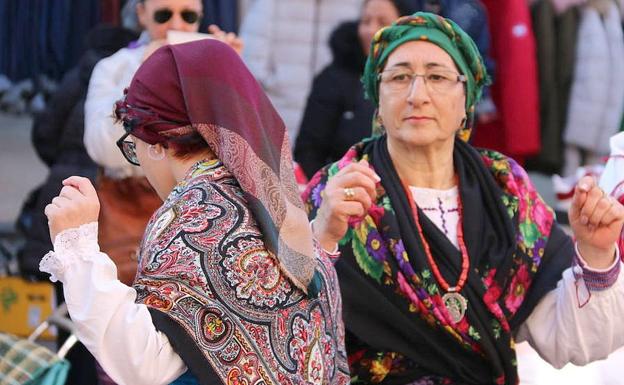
<point>70,245</point>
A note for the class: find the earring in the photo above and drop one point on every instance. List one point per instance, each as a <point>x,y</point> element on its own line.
<point>154,154</point>
<point>378,126</point>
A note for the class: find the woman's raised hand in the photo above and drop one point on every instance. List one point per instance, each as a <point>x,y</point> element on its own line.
<point>229,38</point>
<point>77,204</point>
<point>349,193</point>
<point>596,220</point>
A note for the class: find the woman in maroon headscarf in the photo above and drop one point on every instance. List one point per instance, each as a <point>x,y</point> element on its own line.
<point>230,284</point>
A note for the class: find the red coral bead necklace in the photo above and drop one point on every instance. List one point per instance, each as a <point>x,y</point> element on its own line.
<point>455,303</point>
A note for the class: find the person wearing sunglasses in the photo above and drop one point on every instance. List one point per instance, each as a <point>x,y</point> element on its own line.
<point>231,286</point>
<point>126,197</point>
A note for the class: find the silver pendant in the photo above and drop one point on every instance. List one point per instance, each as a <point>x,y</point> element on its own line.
<point>456,306</point>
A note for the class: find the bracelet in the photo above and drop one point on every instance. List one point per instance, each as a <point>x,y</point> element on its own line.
<point>595,280</point>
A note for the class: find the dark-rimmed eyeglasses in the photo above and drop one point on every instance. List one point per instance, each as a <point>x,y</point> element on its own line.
<point>128,149</point>
<point>163,15</point>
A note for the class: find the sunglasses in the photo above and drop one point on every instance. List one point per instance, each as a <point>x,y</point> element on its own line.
<point>128,149</point>
<point>163,15</point>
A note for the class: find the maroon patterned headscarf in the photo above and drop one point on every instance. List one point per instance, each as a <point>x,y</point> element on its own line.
<point>204,86</point>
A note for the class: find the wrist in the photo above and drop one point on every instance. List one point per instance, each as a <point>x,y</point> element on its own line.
<point>596,258</point>
<point>327,243</point>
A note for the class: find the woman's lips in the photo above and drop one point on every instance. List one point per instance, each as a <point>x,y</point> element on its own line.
<point>418,118</point>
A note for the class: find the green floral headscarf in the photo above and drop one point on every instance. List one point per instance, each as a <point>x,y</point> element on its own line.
<point>442,32</point>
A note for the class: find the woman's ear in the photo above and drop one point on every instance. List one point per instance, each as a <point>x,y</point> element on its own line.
<point>156,151</point>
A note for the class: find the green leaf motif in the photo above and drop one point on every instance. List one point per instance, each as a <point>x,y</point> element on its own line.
<point>496,327</point>
<point>333,170</point>
<point>529,232</point>
<point>511,203</point>
<point>366,261</point>
<point>473,333</point>
<point>385,203</point>
<point>347,238</point>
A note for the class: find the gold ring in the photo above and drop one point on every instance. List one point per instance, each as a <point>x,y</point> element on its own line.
<point>349,193</point>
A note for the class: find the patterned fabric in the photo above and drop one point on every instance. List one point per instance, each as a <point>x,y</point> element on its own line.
<point>438,30</point>
<point>398,329</point>
<point>175,93</point>
<point>205,266</point>
<point>25,362</point>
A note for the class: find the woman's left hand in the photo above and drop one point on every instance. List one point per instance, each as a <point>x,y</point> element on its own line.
<point>596,220</point>
<point>228,38</point>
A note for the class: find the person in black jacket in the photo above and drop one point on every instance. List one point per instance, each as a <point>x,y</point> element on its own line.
<point>337,114</point>
<point>57,136</point>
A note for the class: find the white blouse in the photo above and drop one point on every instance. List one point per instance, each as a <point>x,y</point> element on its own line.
<point>109,78</point>
<point>121,335</point>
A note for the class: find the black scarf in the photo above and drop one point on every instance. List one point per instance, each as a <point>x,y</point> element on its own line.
<point>377,317</point>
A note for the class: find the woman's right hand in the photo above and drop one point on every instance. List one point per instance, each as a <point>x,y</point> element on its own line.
<point>229,38</point>
<point>77,204</point>
<point>349,193</point>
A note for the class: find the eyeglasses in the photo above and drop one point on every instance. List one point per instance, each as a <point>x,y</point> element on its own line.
<point>438,81</point>
<point>128,149</point>
<point>163,15</point>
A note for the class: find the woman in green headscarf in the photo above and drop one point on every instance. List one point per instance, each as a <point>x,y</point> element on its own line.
<point>448,255</point>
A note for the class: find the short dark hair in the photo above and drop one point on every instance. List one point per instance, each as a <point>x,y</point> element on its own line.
<point>187,145</point>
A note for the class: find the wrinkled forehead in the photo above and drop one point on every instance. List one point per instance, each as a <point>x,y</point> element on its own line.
<point>419,56</point>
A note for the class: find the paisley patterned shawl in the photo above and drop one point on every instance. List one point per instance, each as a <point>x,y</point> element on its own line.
<point>204,87</point>
<point>219,295</point>
<point>398,330</point>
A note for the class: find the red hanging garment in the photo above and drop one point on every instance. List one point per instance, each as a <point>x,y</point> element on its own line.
<point>516,131</point>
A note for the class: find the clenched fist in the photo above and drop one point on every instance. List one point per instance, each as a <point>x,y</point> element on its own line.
<point>596,220</point>
<point>77,204</point>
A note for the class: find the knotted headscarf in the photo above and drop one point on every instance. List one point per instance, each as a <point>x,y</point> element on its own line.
<point>204,87</point>
<point>424,26</point>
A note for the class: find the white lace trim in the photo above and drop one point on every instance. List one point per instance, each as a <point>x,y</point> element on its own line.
<point>71,245</point>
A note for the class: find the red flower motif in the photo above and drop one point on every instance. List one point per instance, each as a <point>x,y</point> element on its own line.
<point>491,297</point>
<point>462,326</point>
<point>347,158</point>
<point>517,289</point>
<point>376,212</point>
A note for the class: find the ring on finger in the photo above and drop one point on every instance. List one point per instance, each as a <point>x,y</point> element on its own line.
<point>349,193</point>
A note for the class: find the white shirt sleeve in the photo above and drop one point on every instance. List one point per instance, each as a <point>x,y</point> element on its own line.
<point>562,331</point>
<point>109,78</point>
<point>117,331</point>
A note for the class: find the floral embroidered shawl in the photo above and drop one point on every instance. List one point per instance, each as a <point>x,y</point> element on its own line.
<point>398,330</point>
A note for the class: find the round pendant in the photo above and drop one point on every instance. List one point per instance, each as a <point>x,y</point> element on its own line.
<point>456,306</point>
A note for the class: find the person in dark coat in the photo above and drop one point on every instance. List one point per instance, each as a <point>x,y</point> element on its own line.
<point>337,114</point>
<point>57,137</point>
